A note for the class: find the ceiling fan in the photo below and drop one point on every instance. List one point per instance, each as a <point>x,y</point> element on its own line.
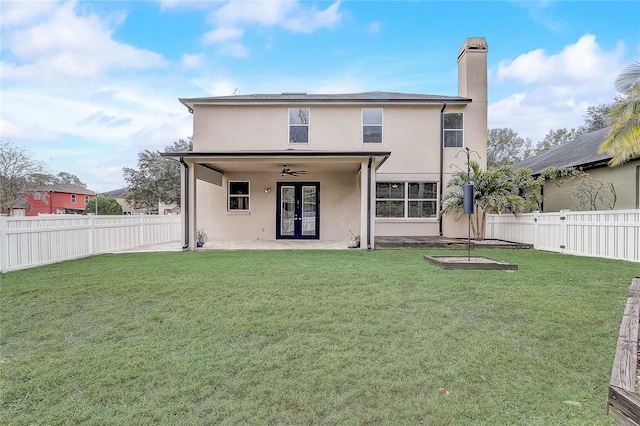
<point>286,171</point>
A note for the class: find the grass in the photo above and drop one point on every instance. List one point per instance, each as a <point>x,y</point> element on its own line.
<point>310,337</point>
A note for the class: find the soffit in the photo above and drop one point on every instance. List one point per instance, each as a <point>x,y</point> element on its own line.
<point>273,161</point>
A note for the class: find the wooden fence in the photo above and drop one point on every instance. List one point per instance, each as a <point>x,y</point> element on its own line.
<point>613,234</point>
<point>26,242</point>
<point>623,399</point>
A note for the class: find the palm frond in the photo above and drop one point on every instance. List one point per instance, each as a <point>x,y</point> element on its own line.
<point>629,78</point>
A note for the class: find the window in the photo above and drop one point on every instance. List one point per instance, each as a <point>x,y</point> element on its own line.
<point>37,196</point>
<point>238,196</point>
<point>73,198</point>
<point>86,199</point>
<point>406,199</point>
<point>298,125</point>
<point>453,136</point>
<point>372,125</point>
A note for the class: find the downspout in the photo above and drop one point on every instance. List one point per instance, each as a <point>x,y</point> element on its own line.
<point>186,204</point>
<point>440,186</point>
<point>369,203</point>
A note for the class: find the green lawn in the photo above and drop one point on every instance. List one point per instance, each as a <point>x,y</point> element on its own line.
<point>310,337</point>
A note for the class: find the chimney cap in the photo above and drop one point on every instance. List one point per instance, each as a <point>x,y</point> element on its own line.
<point>473,44</point>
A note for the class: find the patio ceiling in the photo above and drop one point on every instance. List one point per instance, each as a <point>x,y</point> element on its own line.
<point>273,161</point>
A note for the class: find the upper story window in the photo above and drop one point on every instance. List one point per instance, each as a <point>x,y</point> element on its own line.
<point>73,198</point>
<point>453,133</point>
<point>372,125</point>
<point>406,199</point>
<point>86,199</point>
<point>37,196</point>
<point>298,125</point>
<point>238,196</point>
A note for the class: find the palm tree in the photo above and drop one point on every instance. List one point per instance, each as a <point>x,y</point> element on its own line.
<point>623,140</point>
<point>494,192</point>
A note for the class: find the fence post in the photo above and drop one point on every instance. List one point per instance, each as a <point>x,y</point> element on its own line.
<point>92,234</point>
<point>4,245</point>
<point>142,223</point>
<point>536,215</point>
<point>563,230</point>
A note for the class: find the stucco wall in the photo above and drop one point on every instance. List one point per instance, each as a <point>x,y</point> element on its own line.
<point>339,207</point>
<point>561,195</point>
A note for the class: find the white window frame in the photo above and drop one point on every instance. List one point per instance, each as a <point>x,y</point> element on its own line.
<point>307,125</point>
<point>37,196</point>
<point>245,196</point>
<point>73,198</point>
<point>86,199</point>
<point>405,199</point>
<point>373,125</point>
<point>446,130</point>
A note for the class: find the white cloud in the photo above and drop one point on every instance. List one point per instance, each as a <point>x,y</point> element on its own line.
<point>583,61</point>
<point>556,89</point>
<point>308,21</point>
<point>230,19</point>
<point>15,13</point>
<point>62,45</point>
<point>190,61</point>
<point>222,34</point>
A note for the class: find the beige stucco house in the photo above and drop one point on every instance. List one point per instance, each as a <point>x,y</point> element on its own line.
<point>321,166</point>
<point>605,188</point>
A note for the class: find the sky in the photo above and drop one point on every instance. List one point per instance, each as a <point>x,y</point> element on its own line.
<point>86,85</point>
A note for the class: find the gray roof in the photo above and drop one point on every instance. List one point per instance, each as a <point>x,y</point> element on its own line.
<point>20,203</point>
<point>68,188</point>
<point>301,97</point>
<point>116,193</point>
<point>581,152</point>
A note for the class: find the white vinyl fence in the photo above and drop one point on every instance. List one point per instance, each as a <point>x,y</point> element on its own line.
<point>26,242</point>
<point>613,234</point>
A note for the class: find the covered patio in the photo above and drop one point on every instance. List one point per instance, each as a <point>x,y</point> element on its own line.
<point>279,196</point>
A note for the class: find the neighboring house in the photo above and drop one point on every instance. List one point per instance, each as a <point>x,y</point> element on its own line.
<point>128,208</point>
<point>53,199</point>
<point>18,207</point>
<point>607,188</point>
<point>118,195</point>
<point>319,166</point>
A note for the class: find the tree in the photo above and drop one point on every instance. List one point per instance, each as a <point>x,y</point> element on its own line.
<point>505,147</point>
<point>554,139</point>
<point>107,205</point>
<point>16,167</point>
<point>156,179</point>
<point>39,179</point>
<point>495,191</point>
<point>596,118</point>
<point>623,140</point>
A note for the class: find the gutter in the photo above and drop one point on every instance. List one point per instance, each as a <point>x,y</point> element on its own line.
<point>369,203</point>
<point>186,204</point>
<point>440,187</point>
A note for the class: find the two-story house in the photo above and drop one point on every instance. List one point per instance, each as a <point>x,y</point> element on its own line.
<point>318,166</point>
<point>52,199</point>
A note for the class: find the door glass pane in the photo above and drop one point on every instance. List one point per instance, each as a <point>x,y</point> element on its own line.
<point>287,210</point>
<point>308,210</point>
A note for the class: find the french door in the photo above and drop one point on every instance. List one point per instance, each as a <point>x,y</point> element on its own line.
<point>298,214</point>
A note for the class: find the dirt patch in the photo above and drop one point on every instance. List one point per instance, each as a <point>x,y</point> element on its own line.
<point>471,262</point>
